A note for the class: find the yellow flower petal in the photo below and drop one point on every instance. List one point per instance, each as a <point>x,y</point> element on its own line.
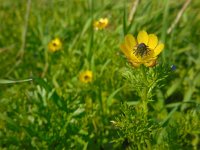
<point>153,41</point>
<point>125,50</point>
<point>131,46</point>
<point>135,64</point>
<point>130,41</point>
<point>142,37</point>
<point>86,76</point>
<point>150,63</point>
<point>101,24</point>
<point>104,21</point>
<point>128,53</point>
<point>55,45</point>
<point>134,58</point>
<point>158,49</point>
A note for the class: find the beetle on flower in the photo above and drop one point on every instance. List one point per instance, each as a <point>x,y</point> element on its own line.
<point>143,50</point>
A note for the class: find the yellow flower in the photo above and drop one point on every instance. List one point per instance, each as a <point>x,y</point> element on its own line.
<point>86,76</point>
<point>101,24</point>
<point>143,50</point>
<point>55,45</point>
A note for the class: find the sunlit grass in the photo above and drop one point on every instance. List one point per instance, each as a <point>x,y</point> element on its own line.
<point>64,82</point>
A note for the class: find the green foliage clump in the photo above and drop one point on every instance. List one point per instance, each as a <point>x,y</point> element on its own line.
<point>134,129</point>
<point>44,105</point>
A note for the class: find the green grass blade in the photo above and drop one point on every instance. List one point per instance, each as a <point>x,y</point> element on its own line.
<point>5,81</point>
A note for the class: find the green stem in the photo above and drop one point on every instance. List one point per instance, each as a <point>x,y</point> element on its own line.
<point>144,101</point>
<point>46,67</point>
<point>148,144</point>
<point>91,30</point>
<point>144,74</point>
<point>139,147</point>
<point>144,94</point>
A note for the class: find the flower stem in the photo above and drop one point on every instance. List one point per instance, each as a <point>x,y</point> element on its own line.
<point>144,93</point>
<point>144,101</point>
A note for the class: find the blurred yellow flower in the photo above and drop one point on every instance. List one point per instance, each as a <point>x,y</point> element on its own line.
<point>86,76</point>
<point>55,45</point>
<point>143,50</point>
<point>100,24</point>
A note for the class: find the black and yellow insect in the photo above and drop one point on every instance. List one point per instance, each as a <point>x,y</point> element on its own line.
<point>142,50</point>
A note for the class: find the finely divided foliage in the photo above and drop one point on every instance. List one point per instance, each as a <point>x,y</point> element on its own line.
<point>99,74</point>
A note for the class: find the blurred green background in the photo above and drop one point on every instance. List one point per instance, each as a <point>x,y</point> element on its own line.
<point>55,110</point>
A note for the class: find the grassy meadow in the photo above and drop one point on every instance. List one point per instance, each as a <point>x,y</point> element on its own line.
<point>66,83</point>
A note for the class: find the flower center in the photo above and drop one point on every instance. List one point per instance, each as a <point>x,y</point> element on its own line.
<point>142,50</point>
<point>54,44</point>
<point>86,77</point>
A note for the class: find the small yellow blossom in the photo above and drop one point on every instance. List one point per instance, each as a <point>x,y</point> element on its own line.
<point>101,24</point>
<point>55,45</point>
<point>143,50</point>
<point>86,76</point>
